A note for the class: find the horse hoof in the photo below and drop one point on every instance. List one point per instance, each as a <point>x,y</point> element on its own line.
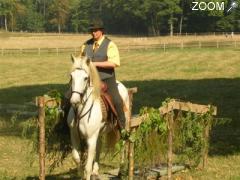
<point>95,177</point>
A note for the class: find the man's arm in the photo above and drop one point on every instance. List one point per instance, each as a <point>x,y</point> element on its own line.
<point>105,64</point>
<point>113,58</point>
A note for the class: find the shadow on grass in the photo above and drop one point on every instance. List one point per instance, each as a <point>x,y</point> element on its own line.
<point>224,93</point>
<point>72,174</point>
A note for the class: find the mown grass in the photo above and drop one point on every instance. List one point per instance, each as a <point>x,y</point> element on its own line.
<point>52,40</point>
<point>206,76</point>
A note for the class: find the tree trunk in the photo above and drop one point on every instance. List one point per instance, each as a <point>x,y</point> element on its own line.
<point>171,25</point>
<point>5,22</point>
<point>153,27</point>
<point>44,9</point>
<point>59,28</point>
<point>171,28</point>
<point>12,21</point>
<point>180,25</point>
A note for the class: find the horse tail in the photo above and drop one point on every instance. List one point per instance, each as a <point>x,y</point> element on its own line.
<point>112,137</point>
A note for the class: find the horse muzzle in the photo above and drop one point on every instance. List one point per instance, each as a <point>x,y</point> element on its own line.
<point>76,98</point>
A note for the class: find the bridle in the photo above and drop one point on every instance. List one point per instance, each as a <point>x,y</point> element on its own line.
<point>79,115</point>
<point>87,85</point>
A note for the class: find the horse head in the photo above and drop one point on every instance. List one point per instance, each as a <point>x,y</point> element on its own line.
<point>80,78</point>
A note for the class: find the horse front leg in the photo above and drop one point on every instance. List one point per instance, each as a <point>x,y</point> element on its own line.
<point>75,148</point>
<point>75,140</point>
<point>97,159</point>
<point>91,154</point>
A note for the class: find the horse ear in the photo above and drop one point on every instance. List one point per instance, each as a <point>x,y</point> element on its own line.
<point>72,58</point>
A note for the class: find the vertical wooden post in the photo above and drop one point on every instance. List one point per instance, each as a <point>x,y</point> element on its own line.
<point>130,145</point>
<point>39,51</point>
<point>206,141</point>
<point>199,44</point>
<point>170,143</point>
<point>41,121</point>
<point>181,45</point>
<point>131,159</point>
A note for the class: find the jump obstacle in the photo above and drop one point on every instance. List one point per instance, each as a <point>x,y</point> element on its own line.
<point>134,122</point>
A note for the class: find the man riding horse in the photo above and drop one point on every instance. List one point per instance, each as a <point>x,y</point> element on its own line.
<point>105,56</point>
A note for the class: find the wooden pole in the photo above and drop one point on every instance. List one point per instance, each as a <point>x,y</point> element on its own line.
<point>170,143</point>
<point>206,141</point>
<point>41,119</point>
<point>131,159</point>
<point>131,144</point>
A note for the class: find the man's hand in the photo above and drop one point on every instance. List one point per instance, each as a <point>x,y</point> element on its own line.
<point>105,64</point>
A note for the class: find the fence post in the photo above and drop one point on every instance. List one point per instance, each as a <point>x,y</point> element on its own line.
<point>205,150</point>
<point>57,51</point>
<point>41,121</point>
<point>217,44</point>
<point>181,45</point>
<point>131,144</point>
<point>2,51</point>
<point>39,51</point>
<point>164,47</point>
<point>170,143</point>
<point>199,44</point>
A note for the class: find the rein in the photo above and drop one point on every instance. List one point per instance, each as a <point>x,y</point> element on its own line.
<point>79,115</point>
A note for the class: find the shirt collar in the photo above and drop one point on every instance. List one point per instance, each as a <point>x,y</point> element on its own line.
<point>100,40</point>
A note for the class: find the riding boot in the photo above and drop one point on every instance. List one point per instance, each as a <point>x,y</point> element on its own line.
<point>117,100</point>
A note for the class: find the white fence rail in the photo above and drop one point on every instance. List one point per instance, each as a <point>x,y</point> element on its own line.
<point>163,46</point>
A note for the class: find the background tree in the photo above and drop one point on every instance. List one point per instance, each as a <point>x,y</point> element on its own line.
<point>58,14</point>
<point>30,19</point>
<point>135,17</point>
<point>8,12</point>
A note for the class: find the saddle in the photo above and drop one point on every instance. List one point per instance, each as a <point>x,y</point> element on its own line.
<point>108,108</point>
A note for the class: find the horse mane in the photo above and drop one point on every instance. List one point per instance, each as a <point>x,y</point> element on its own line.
<point>80,62</point>
<point>95,80</point>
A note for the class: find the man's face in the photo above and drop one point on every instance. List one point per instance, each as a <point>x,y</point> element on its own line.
<point>96,34</point>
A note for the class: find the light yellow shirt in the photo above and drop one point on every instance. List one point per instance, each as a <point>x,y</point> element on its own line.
<point>112,51</point>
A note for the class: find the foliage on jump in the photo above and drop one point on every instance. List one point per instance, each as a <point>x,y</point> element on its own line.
<point>57,136</point>
<point>151,137</point>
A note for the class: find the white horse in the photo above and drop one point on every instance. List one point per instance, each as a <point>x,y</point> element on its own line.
<point>85,118</point>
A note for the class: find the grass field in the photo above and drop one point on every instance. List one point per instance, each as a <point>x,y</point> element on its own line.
<point>205,76</point>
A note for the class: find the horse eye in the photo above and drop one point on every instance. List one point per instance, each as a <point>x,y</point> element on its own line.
<point>85,78</point>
